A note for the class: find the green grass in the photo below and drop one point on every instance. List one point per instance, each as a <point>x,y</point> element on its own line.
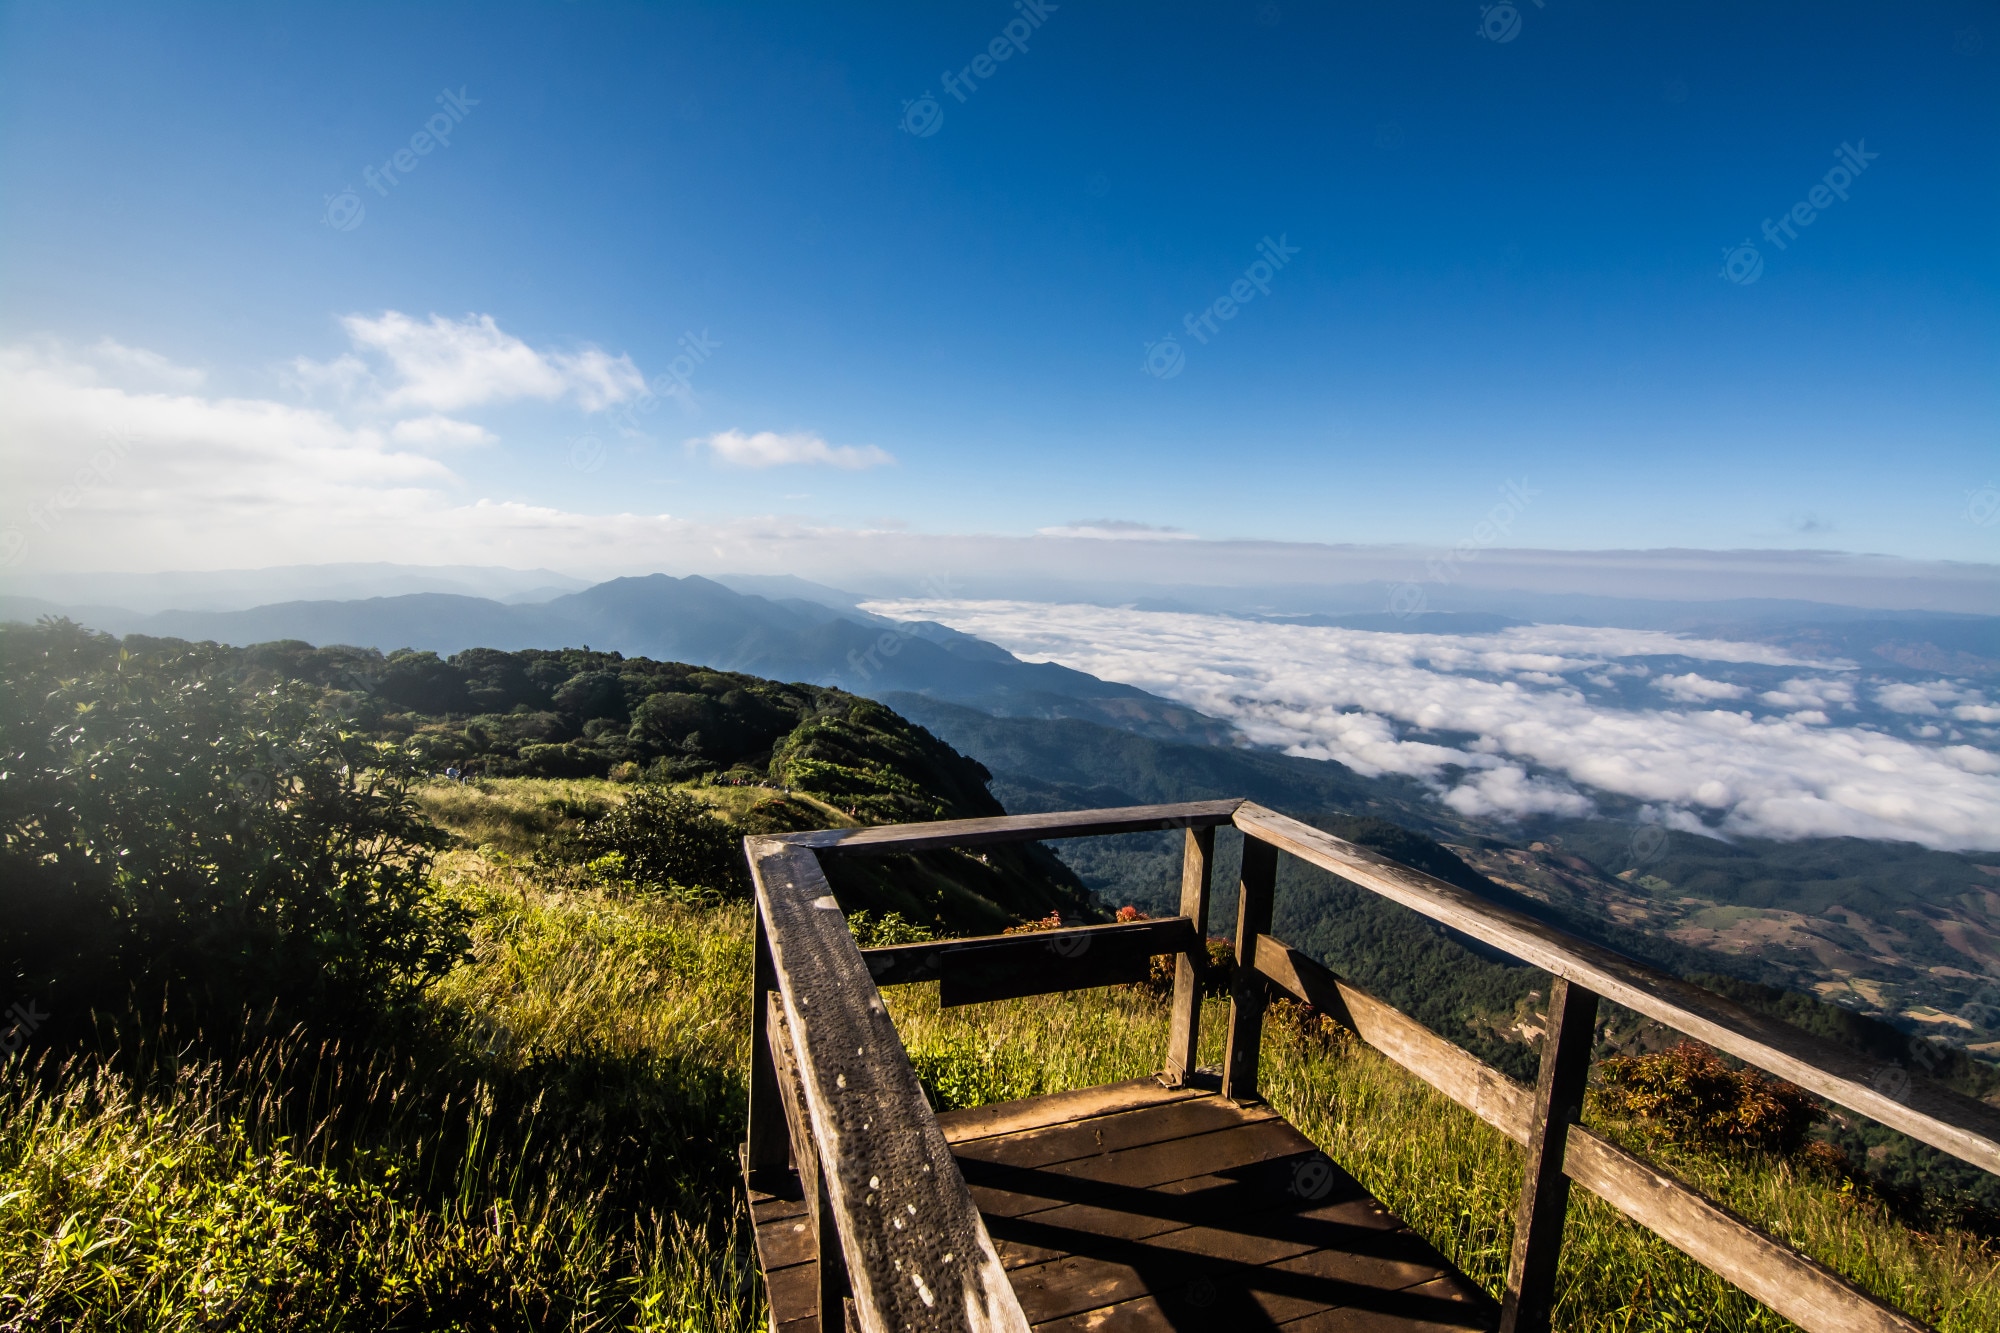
<point>550,1144</point>
<point>552,1147</point>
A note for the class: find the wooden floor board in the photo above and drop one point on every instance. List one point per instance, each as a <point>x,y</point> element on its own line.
<point>1140,1209</point>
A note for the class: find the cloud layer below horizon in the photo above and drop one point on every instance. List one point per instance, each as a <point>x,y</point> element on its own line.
<point>1527,721</point>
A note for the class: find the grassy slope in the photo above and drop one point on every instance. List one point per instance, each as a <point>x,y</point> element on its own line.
<point>552,1153</point>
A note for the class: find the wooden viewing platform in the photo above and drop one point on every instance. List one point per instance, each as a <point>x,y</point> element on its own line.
<point>1184,1201</point>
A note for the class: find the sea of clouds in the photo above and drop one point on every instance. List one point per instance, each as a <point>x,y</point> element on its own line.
<point>1710,736</point>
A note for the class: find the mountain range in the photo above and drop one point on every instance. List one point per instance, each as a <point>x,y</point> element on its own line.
<point>808,638</point>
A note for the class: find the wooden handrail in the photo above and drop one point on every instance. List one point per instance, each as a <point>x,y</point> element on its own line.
<point>916,1250</point>
<point>888,838</point>
<point>1955,1124</point>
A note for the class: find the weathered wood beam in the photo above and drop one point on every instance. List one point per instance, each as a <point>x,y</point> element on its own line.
<point>768,1148</point>
<point>1248,995</point>
<point>1004,967</point>
<point>888,838</point>
<point>1808,1293</point>
<point>832,1296</point>
<point>1191,968</point>
<point>918,1255</point>
<point>1451,1069</point>
<point>1968,1130</point>
<point>1529,1303</point>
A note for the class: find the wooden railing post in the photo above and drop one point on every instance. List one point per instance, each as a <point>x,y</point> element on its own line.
<point>768,1147</point>
<point>833,1280</point>
<point>1191,967</point>
<point>1538,1225</point>
<point>1247,996</point>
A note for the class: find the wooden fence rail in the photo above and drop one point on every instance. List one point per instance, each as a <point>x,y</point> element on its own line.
<point>833,1095</point>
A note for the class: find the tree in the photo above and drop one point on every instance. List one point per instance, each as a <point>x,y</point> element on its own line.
<point>171,837</point>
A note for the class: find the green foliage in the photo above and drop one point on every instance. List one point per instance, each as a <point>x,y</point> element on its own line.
<point>864,759</point>
<point>966,1071</point>
<point>1692,1095</point>
<point>661,841</point>
<point>168,832</point>
<point>874,932</point>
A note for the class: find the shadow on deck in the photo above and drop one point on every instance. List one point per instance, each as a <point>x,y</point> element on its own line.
<point>1140,1207</point>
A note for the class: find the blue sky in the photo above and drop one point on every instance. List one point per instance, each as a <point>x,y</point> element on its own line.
<point>1509,268</point>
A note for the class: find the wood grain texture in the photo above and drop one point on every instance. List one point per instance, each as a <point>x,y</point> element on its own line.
<point>918,1255</point>
<point>1807,1293</point>
<point>829,1293</point>
<point>1248,994</point>
<point>1270,1231</point>
<point>768,1147</point>
<point>979,1122</point>
<point>1530,1301</point>
<point>1000,967</point>
<point>1191,968</point>
<point>1451,1069</point>
<point>1968,1130</point>
<point>887,838</point>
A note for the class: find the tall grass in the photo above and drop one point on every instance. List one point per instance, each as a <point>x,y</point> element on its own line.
<point>553,1149</point>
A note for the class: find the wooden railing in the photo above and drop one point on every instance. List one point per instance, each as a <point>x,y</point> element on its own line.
<point>832,1093</point>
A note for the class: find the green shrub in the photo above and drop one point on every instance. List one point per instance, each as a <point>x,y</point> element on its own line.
<point>665,841</point>
<point>168,836</point>
<point>875,932</point>
<point>1693,1096</point>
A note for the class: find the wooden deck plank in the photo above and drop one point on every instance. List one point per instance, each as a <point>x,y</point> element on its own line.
<point>1193,1212</point>
<point>1099,1135</point>
<point>1138,1209</point>
<point>978,1122</point>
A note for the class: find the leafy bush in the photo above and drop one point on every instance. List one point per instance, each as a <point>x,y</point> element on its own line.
<point>664,841</point>
<point>1692,1095</point>
<point>875,932</point>
<point>170,835</point>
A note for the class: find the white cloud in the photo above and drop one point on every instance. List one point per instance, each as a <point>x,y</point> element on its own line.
<point>770,449</point>
<point>447,365</point>
<point>1396,703</point>
<point>96,469</point>
<point>1928,698</point>
<point>440,432</point>
<point>1115,529</point>
<point>1694,688</point>
<point>151,367</point>
<point>1811,693</point>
